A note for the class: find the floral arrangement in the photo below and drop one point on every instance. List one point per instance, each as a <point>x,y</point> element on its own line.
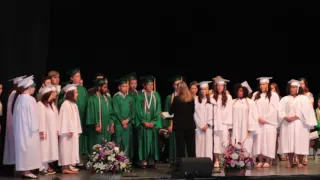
<point>236,157</point>
<point>107,157</point>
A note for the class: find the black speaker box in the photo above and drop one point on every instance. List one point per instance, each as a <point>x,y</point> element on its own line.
<point>193,168</point>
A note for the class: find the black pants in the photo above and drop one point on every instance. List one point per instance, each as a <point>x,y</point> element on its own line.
<point>185,138</point>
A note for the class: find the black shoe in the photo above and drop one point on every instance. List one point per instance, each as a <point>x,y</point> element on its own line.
<point>44,173</point>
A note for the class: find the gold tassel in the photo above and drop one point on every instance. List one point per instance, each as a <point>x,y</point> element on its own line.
<point>154,84</point>
<point>267,86</point>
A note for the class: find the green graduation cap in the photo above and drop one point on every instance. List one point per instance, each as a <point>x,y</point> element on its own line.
<point>121,81</point>
<point>73,71</point>
<point>176,78</point>
<point>131,76</point>
<point>100,82</point>
<point>147,79</point>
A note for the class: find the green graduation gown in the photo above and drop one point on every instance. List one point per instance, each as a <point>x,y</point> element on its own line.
<point>124,108</point>
<point>81,102</point>
<point>148,137</point>
<point>166,124</point>
<point>93,119</point>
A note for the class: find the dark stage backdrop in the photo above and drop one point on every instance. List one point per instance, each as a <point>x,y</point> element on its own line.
<point>197,42</point>
<point>25,27</point>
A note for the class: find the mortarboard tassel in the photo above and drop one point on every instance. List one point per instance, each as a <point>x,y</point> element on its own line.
<point>154,84</point>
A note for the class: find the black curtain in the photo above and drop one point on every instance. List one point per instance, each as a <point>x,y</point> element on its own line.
<point>24,38</point>
<point>25,27</point>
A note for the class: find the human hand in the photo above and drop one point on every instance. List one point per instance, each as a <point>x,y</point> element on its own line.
<point>125,122</point>
<point>70,134</point>
<point>111,129</point>
<point>42,136</point>
<point>205,128</point>
<point>146,124</point>
<point>98,129</point>
<point>261,121</point>
<point>151,125</point>
<point>170,128</point>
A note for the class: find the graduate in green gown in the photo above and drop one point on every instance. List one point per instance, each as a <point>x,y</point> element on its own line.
<point>133,92</point>
<point>82,101</point>
<point>99,115</point>
<point>168,124</point>
<point>124,110</point>
<point>148,122</point>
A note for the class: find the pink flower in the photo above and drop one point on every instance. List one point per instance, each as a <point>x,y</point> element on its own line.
<point>233,163</point>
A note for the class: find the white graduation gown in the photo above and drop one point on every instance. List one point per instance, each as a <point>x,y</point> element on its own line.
<point>69,121</point>
<point>9,150</point>
<point>264,142</point>
<point>294,136</point>
<point>26,133</point>
<point>203,115</point>
<point>222,123</point>
<point>48,124</point>
<point>245,123</point>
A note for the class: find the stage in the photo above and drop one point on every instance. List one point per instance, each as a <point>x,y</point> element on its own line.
<point>312,171</point>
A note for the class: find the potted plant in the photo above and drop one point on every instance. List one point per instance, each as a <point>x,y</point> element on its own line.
<point>107,159</point>
<point>236,160</point>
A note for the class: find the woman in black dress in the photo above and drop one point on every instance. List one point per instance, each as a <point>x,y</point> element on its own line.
<point>183,123</point>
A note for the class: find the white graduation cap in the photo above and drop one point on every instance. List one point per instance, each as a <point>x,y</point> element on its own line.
<point>26,82</point>
<point>47,89</point>
<point>294,82</point>
<point>204,84</point>
<point>245,84</point>
<point>17,79</point>
<point>264,79</point>
<point>70,87</point>
<point>220,80</point>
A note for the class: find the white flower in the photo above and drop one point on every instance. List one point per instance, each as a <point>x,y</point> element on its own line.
<point>246,154</point>
<point>234,156</point>
<point>238,146</point>
<point>116,149</point>
<point>241,163</point>
<point>94,153</point>
<point>89,165</point>
<point>111,158</point>
<point>123,165</point>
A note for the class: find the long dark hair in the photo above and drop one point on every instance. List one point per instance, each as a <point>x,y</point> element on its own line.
<point>45,100</point>
<point>239,86</point>
<point>276,87</point>
<point>19,91</point>
<point>306,89</point>
<point>268,94</point>
<point>224,95</point>
<point>200,98</point>
<point>300,91</point>
<point>70,96</point>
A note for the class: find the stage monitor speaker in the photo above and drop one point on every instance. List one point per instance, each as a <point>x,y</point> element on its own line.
<point>193,168</point>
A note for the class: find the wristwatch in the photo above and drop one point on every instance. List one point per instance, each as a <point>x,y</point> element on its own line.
<point>209,125</point>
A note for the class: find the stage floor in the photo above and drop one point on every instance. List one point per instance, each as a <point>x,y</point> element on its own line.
<point>313,169</point>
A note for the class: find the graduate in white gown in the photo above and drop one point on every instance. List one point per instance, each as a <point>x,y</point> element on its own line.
<point>203,117</point>
<point>296,117</point>
<point>244,117</point>
<point>264,143</point>
<point>49,118</point>
<point>69,130</point>
<point>222,118</point>
<point>9,150</point>
<point>26,129</point>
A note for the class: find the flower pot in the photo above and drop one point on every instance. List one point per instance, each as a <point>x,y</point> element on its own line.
<point>106,176</point>
<point>235,172</point>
